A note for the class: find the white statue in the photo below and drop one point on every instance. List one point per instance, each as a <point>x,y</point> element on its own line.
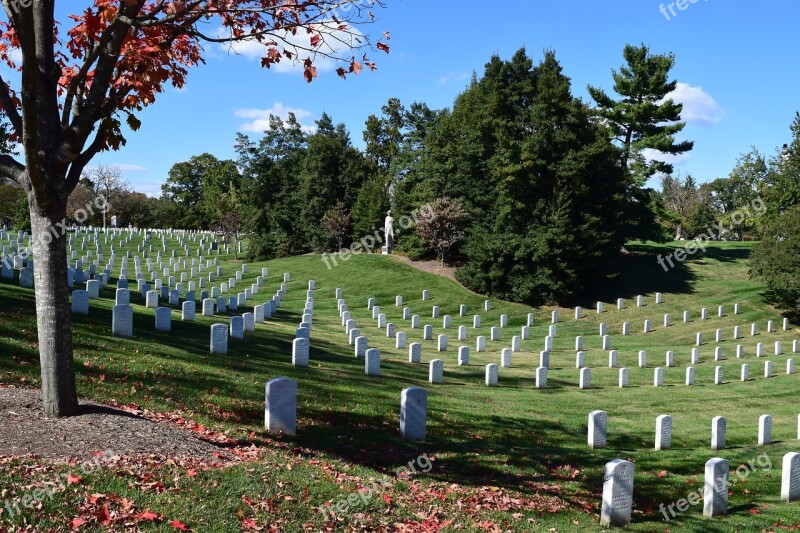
<point>388,230</point>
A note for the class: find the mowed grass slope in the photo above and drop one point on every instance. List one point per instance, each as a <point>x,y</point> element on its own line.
<point>521,440</point>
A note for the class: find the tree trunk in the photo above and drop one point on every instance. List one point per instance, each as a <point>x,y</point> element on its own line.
<point>59,395</point>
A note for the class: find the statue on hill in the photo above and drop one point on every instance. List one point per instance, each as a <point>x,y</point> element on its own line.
<point>388,231</point>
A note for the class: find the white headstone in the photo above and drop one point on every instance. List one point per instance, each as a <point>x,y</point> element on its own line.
<point>585,378</point>
<point>544,359</point>
<point>151,300</point>
<point>361,346</point>
<point>658,377</point>
<point>790,477</point>
<point>413,413</point>
<point>188,312</point>
<point>400,340</point>
<point>598,427</point>
<point>219,339</point>
<point>623,378</point>
<point>463,356</point>
<point>80,302</point>
<point>121,320</point>
<point>163,319</point>
<point>663,432</point>
<point>642,359</point>
<point>93,288</point>
<point>480,344</point>
<point>436,371</point>
<point>300,349</point>
<point>442,343</point>
<point>580,360</point>
<point>415,353</point>
<point>505,358</point>
<point>237,327</point>
<point>719,430</point>
<point>764,430</point>
<point>492,371</point>
<point>745,372</point>
<point>541,377</point>
<point>617,494</point>
<point>372,362</point>
<point>715,493</point>
<point>690,376</point>
<point>280,406</point>
<point>462,333</point>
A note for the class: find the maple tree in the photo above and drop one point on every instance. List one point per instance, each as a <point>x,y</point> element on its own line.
<point>77,89</point>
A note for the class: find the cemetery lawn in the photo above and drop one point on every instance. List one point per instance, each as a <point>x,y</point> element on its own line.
<point>505,458</point>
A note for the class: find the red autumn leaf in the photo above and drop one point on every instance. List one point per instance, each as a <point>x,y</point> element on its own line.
<point>248,524</point>
<point>147,515</point>
<point>755,511</point>
<point>387,498</point>
<point>662,474</point>
<point>177,524</point>
<point>191,473</point>
<point>72,479</point>
<point>77,522</point>
<point>383,46</point>
<point>102,377</point>
<point>316,40</point>
<point>310,73</point>
<point>103,516</point>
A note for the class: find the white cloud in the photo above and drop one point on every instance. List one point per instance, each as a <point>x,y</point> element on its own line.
<point>670,159</point>
<point>698,106</point>
<point>453,76</point>
<point>259,118</point>
<point>127,167</point>
<point>335,43</point>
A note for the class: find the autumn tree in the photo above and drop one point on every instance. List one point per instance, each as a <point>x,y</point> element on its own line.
<point>82,81</point>
<point>441,225</point>
<point>337,224</point>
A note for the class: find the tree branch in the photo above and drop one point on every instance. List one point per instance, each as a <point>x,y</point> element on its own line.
<point>80,162</point>
<point>12,169</point>
<point>9,108</point>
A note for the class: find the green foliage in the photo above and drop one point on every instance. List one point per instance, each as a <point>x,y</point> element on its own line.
<point>776,259</point>
<point>539,179</point>
<point>643,118</point>
<point>370,207</point>
<point>332,171</point>
<point>14,207</point>
<point>780,188</point>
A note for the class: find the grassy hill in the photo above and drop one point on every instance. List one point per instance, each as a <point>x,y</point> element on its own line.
<point>512,457</point>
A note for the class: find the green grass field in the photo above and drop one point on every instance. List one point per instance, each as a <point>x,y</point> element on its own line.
<point>506,458</point>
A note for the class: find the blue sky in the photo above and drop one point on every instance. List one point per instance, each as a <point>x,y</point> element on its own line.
<point>737,63</point>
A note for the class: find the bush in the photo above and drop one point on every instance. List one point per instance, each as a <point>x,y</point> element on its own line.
<point>776,259</point>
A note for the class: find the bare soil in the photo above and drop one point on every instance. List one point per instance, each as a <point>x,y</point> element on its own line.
<point>97,429</point>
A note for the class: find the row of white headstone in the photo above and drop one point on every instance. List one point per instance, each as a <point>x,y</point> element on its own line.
<point>617,503</point>
<point>239,324</point>
<point>597,436</point>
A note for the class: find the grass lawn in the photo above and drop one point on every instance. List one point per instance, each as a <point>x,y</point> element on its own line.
<point>506,458</point>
